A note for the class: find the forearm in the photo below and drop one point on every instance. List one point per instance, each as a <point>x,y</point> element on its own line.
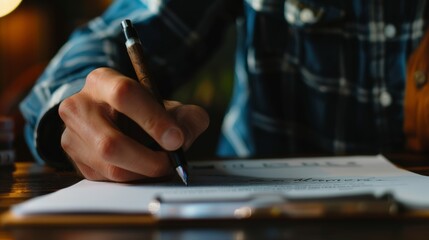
<point>87,49</point>
<point>177,42</point>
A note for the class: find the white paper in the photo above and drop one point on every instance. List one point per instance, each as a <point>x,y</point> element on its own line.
<point>214,180</point>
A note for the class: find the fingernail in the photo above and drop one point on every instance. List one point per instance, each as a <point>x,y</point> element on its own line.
<point>172,139</point>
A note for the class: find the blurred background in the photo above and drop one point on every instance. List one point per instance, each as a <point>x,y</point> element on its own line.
<point>33,32</point>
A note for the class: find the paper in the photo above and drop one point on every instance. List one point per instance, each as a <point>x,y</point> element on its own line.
<point>215,180</point>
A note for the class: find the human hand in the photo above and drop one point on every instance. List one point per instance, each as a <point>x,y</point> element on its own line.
<point>98,146</point>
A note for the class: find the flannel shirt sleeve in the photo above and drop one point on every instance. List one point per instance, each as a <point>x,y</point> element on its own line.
<point>177,38</point>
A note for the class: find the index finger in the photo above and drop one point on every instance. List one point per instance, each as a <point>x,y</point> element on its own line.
<point>127,96</point>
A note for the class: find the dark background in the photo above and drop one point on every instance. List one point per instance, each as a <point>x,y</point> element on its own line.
<point>32,34</point>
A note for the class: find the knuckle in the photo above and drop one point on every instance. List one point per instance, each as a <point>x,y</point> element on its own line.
<point>87,171</point>
<point>119,92</point>
<point>65,142</point>
<point>95,75</point>
<point>68,107</point>
<point>89,174</point>
<point>115,174</point>
<point>106,146</point>
<point>150,122</point>
<point>171,104</point>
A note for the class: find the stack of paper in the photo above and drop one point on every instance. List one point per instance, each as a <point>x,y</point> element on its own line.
<point>222,180</point>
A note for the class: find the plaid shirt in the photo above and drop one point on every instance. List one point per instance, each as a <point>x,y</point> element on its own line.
<point>310,75</point>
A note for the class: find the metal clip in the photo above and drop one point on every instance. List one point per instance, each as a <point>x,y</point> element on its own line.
<point>275,206</point>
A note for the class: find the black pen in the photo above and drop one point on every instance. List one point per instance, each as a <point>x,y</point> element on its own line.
<point>135,52</point>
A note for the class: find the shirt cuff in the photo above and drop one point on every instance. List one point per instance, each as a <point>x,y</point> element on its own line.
<point>50,127</point>
<point>48,140</point>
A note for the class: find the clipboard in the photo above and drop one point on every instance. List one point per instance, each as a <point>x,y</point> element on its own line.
<point>259,190</point>
<point>257,207</point>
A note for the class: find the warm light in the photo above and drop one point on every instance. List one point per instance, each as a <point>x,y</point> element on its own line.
<point>7,6</point>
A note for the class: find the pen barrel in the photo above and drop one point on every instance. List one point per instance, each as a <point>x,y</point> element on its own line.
<point>136,53</point>
<point>134,131</point>
<point>137,57</point>
<point>176,158</point>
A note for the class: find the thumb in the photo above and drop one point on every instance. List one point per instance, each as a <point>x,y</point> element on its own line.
<point>193,120</point>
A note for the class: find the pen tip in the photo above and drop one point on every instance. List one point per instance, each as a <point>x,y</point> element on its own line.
<point>182,174</point>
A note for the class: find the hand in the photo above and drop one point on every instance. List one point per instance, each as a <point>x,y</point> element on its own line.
<point>101,151</point>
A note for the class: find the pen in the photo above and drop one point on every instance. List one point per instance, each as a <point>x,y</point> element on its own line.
<point>135,52</point>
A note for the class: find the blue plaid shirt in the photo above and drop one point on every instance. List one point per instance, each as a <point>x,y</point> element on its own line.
<point>324,76</point>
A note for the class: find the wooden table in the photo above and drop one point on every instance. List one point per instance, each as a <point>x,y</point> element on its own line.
<point>28,180</point>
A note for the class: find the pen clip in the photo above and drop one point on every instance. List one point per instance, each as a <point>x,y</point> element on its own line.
<point>359,205</point>
<point>275,206</point>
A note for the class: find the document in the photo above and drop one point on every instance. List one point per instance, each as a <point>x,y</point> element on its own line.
<point>238,179</point>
